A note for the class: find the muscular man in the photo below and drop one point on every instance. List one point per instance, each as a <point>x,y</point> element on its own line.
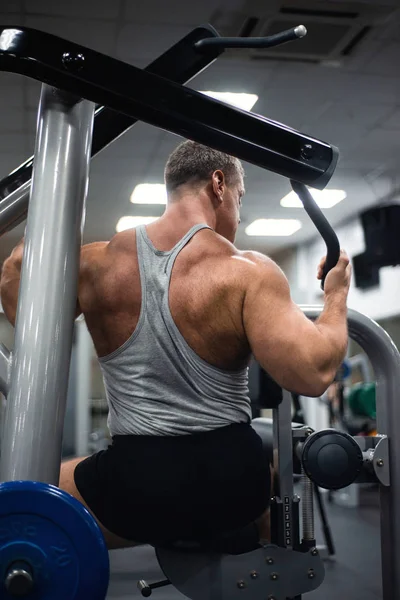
<point>175,311</point>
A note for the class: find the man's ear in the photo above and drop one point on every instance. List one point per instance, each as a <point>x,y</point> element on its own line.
<point>218,183</point>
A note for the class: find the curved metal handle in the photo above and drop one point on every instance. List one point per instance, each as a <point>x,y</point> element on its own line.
<point>289,35</point>
<point>323,226</point>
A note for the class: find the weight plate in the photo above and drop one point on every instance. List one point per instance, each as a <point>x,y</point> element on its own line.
<point>56,536</point>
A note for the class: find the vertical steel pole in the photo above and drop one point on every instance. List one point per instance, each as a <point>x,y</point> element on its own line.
<point>385,360</point>
<point>4,369</point>
<point>82,400</point>
<point>283,463</point>
<point>31,446</point>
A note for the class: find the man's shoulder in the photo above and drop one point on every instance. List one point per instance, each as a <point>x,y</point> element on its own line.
<point>260,271</point>
<point>99,251</point>
<point>253,262</point>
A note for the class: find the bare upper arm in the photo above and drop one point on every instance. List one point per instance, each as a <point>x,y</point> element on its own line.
<point>282,339</point>
<point>93,262</point>
<point>97,263</point>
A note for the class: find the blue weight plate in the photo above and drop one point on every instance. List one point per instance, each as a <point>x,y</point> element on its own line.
<point>52,532</point>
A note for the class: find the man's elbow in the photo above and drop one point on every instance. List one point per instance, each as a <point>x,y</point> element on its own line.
<point>8,303</point>
<point>316,383</point>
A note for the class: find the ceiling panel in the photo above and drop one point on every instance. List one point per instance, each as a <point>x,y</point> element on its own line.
<point>308,81</point>
<point>12,6</point>
<point>380,145</point>
<point>139,43</point>
<point>13,98</point>
<point>32,95</point>
<point>9,79</point>
<point>386,61</point>
<point>226,75</point>
<point>338,128</point>
<point>75,8</point>
<point>103,166</point>
<point>355,106</point>
<point>390,30</point>
<point>133,147</point>
<point>14,17</point>
<point>299,112</point>
<point>358,61</point>
<point>173,12</point>
<point>92,33</point>
<point>374,89</point>
<point>10,157</point>
<point>14,143</point>
<point>392,121</point>
<point>31,119</point>
<point>167,144</point>
<point>364,114</point>
<point>12,120</point>
<point>136,143</point>
<point>110,190</point>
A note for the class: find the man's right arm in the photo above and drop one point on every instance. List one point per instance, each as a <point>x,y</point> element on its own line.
<point>302,356</point>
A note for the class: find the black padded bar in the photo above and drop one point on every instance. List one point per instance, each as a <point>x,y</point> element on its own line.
<point>165,104</point>
<point>180,63</point>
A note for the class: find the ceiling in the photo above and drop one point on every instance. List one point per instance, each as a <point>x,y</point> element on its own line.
<point>355,106</point>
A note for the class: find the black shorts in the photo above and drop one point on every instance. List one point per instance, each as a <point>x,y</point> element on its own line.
<point>157,490</point>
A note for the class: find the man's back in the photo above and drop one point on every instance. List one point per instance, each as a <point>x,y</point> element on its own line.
<point>225,303</point>
<point>165,313</point>
<point>205,298</point>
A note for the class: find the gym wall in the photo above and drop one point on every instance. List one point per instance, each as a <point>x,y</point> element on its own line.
<point>378,303</point>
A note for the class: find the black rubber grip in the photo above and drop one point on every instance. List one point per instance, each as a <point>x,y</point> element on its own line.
<point>289,35</point>
<point>323,226</point>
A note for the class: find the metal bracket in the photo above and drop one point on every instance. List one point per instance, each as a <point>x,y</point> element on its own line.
<point>376,459</point>
<point>381,461</point>
<point>270,571</point>
<point>5,362</point>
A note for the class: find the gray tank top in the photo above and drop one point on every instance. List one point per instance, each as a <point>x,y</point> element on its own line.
<point>155,383</point>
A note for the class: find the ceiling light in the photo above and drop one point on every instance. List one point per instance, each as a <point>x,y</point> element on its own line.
<point>273,227</point>
<point>244,101</point>
<point>149,193</point>
<point>130,222</point>
<point>324,198</point>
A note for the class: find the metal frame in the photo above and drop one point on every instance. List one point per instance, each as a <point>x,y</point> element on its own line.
<point>31,445</point>
<point>167,105</point>
<point>385,361</point>
<point>360,361</point>
<point>4,369</point>
<point>180,64</point>
<point>283,467</point>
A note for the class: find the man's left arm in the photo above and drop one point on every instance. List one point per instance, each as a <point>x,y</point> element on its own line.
<point>92,255</point>
<point>9,282</point>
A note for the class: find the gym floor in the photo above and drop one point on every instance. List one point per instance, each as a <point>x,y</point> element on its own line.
<point>354,574</point>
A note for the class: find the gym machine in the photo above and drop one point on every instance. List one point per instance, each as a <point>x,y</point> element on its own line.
<point>49,543</point>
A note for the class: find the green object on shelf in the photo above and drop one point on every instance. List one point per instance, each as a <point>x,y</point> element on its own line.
<point>362,400</point>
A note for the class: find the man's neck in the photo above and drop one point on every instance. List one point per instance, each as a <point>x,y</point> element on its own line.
<point>190,210</point>
<point>178,218</point>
